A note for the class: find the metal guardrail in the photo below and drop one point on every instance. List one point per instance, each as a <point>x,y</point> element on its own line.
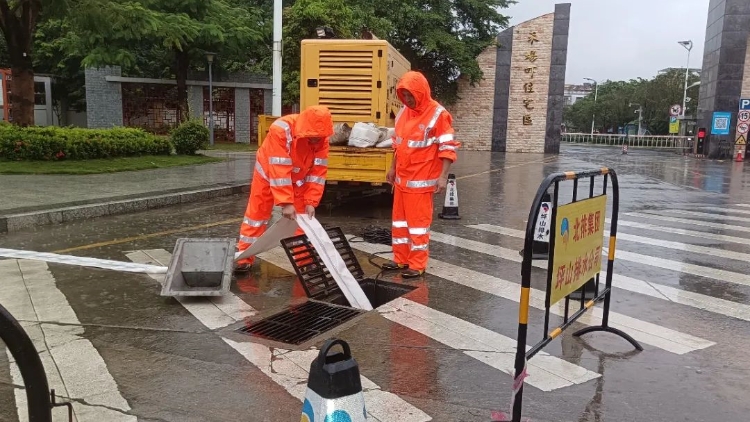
<point>670,142</point>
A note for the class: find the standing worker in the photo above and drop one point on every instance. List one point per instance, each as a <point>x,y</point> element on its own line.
<point>424,151</point>
<point>290,172</point>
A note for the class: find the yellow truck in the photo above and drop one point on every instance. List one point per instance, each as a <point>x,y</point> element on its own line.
<point>356,80</point>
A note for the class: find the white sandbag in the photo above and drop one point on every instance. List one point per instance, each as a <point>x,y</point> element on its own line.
<point>388,143</point>
<point>364,135</point>
<point>340,135</point>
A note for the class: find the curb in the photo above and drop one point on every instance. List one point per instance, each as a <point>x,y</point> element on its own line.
<point>16,222</point>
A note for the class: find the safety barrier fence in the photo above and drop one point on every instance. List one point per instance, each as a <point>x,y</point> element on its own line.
<point>677,143</point>
<point>576,233</point>
<point>40,400</point>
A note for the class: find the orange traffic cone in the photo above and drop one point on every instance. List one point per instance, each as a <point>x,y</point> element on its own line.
<point>739,158</point>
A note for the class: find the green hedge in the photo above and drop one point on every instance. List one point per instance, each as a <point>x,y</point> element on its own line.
<point>189,137</point>
<point>69,143</point>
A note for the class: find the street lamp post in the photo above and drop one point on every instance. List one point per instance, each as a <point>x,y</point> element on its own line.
<point>210,59</point>
<point>688,46</point>
<point>596,94</point>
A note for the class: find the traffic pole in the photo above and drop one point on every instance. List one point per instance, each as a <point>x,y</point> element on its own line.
<point>450,206</point>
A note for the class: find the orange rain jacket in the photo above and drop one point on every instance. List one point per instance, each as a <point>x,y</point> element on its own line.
<point>294,167</point>
<point>423,137</point>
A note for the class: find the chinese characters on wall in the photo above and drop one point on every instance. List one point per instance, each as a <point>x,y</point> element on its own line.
<point>528,87</point>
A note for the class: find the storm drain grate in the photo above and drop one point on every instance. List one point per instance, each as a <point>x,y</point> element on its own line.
<point>300,323</point>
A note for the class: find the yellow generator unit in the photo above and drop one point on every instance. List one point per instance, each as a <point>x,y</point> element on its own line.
<point>355,79</point>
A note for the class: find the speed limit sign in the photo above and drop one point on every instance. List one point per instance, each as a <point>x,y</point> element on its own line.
<point>744,116</point>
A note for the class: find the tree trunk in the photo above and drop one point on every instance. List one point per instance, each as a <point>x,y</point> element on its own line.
<point>183,64</point>
<point>22,91</point>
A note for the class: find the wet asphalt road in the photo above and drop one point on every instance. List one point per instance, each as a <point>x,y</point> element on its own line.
<point>125,353</point>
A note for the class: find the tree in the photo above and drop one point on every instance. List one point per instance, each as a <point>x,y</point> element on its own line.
<point>108,30</point>
<point>442,40</point>
<point>613,109</point>
<point>18,19</point>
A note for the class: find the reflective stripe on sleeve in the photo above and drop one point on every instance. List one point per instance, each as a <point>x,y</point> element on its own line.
<point>280,160</point>
<point>260,171</point>
<point>248,239</point>
<point>447,148</point>
<point>320,162</point>
<point>315,179</point>
<point>284,181</point>
<point>284,125</point>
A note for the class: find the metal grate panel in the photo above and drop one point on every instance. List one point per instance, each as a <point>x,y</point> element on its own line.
<point>312,272</point>
<point>346,81</point>
<point>300,323</point>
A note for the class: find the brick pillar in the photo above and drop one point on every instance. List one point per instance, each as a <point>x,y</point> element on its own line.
<point>242,115</point>
<point>103,99</point>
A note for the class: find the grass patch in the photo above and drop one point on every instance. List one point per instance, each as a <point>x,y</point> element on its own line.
<point>98,166</point>
<point>233,147</point>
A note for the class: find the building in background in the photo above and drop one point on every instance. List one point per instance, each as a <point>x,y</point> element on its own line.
<point>575,92</point>
<point>725,75</point>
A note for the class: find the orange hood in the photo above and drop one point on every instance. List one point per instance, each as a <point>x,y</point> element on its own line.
<point>417,84</point>
<point>314,122</point>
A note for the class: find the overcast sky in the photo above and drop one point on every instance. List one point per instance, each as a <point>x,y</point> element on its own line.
<point>624,39</point>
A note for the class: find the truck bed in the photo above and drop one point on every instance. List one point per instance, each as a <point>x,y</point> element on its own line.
<point>363,165</point>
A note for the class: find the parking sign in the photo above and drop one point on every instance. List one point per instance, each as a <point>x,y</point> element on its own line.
<point>720,124</point>
<point>745,104</point>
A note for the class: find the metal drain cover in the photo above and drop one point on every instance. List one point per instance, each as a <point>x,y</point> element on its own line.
<point>300,323</point>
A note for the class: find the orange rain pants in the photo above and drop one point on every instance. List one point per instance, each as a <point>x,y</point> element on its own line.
<point>412,217</point>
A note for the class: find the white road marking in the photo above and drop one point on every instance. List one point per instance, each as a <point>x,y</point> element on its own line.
<point>668,264</point>
<point>719,209</point>
<point>728,227</point>
<point>496,350</point>
<point>287,368</point>
<point>658,291</point>
<point>721,253</point>
<point>701,215</point>
<point>692,233</point>
<point>655,335</point>
<point>74,367</point>
<point>82,261</point>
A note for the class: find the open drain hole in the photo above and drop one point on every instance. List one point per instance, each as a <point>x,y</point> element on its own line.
<point>329,307</point>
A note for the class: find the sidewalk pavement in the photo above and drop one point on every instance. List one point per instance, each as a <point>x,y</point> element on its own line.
<point>32,200</point>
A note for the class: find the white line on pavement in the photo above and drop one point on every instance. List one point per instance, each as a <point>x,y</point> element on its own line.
<point>292,374</point>
<point>668,264</point>
<point>699,214</point>
<point>496,350</point>
<point>721,253</point>
<point>692,233</point>
<point>74,367</point>
<point>719,209</point>
<point>728,227</point>
<point>655,335</point>
<point>658,291</point>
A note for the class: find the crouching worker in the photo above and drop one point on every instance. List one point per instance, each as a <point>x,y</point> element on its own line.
<point>290,172</point>
<point>424,151</point>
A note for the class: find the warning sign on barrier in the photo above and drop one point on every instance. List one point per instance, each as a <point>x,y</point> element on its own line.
<point>577,254</point>
<point>741,140</point>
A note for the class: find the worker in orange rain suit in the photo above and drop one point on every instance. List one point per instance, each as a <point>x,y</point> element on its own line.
<point>424,151</point>
<point>290,172</point>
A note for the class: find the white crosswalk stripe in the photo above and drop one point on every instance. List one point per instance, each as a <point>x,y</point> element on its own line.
<point>284,367</point>
<point>496,350</point>
<point>683,232</point>
<point>703,215</point>
<point>658,291</point>
<point>720,209</point>
<point>718,274</point>
<point>652,334</point>
<point>74,368</point>
<point>729,227</point>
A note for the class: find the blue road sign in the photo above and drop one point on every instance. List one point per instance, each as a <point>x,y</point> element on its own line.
<point>720,124</point>
<point>745,104</point>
